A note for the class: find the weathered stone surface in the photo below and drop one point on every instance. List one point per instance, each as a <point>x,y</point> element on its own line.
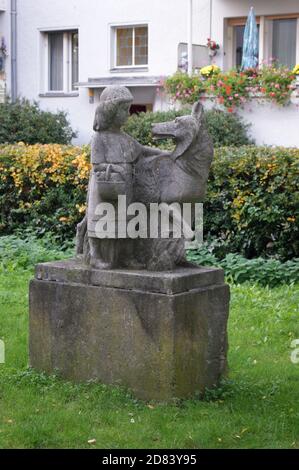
<point>121,166</point>
<point>164,338</point>
<point>168,282</point>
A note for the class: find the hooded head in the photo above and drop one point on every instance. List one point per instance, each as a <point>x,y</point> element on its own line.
<point>113,110</point>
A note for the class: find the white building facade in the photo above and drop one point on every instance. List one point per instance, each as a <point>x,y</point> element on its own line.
<point>63,53</point>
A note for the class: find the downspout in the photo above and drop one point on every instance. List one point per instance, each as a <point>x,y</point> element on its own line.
<point>211,24</point>
<point>14,83</point>
<point>190,37</point>
<point>211,19</point>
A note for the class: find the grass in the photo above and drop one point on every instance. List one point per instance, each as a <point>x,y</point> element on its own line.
<point>256,407</point>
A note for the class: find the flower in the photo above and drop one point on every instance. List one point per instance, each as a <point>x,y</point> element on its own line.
<point>212,45</point>
<point>296,69</point>
<point>209,70</point>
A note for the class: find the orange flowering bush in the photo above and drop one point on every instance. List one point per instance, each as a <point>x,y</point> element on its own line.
<point>43,187</point>
<point>230,88</point>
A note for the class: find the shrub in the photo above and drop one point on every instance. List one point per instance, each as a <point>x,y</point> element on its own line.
<point>43,187</point>
<point>185,88</point>
<point>252,202</point>
<point>238,269</point>
<point>227,129</point>
<point>224,128</point>
<point>139,126</point>
<point>25,253</point>
<point>25,122</point>
<point>251,206</point>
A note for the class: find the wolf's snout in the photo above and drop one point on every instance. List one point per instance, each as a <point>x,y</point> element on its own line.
<point>163,130</point>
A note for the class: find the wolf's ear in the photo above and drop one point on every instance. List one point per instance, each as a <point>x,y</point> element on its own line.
<point>197,110</point>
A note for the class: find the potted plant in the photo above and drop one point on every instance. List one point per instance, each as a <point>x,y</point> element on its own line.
<point>213,47</point>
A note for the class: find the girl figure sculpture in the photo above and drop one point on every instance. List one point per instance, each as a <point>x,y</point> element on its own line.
<point>113,155</point>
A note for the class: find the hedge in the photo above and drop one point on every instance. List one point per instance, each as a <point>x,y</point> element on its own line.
<point>24,121</point>
<point>252,202</point>
<point>225,129</point>
<point>43,187</point>
<point>251,206</point>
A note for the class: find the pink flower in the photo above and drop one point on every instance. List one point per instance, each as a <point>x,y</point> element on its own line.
<point>277,86</point>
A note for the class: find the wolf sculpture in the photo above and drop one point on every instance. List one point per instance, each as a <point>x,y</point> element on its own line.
<point>170,177</point>
<point>178,177</point>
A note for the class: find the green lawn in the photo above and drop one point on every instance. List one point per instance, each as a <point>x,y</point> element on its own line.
<point>257,407</point>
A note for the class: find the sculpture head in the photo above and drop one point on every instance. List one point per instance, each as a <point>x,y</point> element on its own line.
<point>113,110</point>
<point>181,128</point>
<point>194,147</point>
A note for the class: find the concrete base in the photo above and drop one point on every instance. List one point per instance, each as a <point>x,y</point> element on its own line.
<point>163,334</point>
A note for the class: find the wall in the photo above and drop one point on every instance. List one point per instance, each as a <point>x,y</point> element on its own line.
<point>280,129</point>
<point>5,32</point>
<point>167,22</point>
<point>168,26</point>
<point>270,124</point>
<point>222,9</point>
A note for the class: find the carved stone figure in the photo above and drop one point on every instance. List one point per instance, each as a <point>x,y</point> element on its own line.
<point>161,334</point>
<point>176,177</point>
<point>113,154</point>
<point>122,166</point>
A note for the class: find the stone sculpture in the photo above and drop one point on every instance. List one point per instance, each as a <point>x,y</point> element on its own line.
<point>122,166</point>
<point>158,325</point>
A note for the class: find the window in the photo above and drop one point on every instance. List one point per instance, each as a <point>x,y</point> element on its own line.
<point>56,61</point>
<point>75,60</point>
<point>238,44</point>
<point>278,39</point>
<point>284,41</point>
<point>62,72</point>
<point>131,46</point>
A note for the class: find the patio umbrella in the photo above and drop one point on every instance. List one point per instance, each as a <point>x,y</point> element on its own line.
<point>250,43</point>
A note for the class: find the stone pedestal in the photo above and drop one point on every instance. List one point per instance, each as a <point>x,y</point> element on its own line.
<point>161,334</point>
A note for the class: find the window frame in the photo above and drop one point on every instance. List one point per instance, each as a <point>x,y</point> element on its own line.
<point>67,77</point>
<point>133,27</point>
<point>265,37</point>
